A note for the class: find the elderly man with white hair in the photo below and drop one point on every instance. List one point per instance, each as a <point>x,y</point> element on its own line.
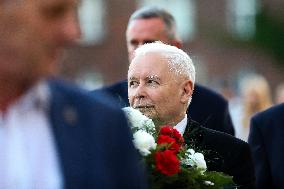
<point>160,84</point>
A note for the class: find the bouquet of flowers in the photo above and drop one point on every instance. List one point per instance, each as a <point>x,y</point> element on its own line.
<point>171,164</point>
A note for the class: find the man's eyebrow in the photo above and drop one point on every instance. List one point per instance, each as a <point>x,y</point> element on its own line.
<point>155,77</point>
<point>149,41</point>
<point>132,78</point>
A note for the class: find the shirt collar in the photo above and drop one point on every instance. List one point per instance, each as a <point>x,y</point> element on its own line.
<point>36,97</point>
<point>180,127</point>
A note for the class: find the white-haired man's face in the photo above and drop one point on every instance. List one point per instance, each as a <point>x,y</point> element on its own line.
<point>156,91</point>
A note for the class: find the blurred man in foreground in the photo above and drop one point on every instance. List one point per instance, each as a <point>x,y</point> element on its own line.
<point>53,135</point>
<point>160,84</point>
<point>151,24</point>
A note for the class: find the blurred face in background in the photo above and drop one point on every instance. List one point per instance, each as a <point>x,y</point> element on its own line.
<point>33,34</point>
<point>141,31</point>
<point>255,91</point>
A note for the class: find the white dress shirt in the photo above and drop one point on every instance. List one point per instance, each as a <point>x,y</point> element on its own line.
<point>28,158</point>
<point>180,127</point>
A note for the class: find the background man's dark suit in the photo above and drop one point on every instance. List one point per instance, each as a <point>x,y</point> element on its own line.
<point>219,156</point>
<point>93,141</point>
<point>267,143</point>
<point>207,107</point>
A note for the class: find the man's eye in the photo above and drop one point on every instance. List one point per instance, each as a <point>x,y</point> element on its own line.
<point>149,41</point>
<point>153,83</point>
<point>133,84</point>
<point>134,43</point>
<point>54,12</point>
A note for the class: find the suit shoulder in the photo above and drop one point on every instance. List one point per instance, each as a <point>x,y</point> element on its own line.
<point>274,111</point>
<point>69,93</point>
<point>209,94</point>
<point>213,137</point>
<point>65,88</point>
<point>223,139</point>
<point>118,87</point>
<point>118,92</point>
<point>268,120</point>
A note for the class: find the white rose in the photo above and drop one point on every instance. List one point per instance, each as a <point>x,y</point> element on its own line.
<point>200,162</point>
<point>208,183</point>
<point>138,120</point>
<point>196,160</point>
<point>135,117</point>
<point>144,142</point>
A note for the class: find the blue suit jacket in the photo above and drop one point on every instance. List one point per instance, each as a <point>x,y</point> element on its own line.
<point>267,143</point>
<point>93,141</point>
<point>207,107</point>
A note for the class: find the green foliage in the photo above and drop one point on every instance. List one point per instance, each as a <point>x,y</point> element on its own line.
<point>188,178</point>
<point>270,35</point>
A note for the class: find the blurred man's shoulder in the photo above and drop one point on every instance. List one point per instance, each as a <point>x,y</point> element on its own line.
<point>74,94</point>
<point>215,137</point>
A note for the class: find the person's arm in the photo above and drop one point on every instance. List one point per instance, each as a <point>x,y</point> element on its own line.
<point>259,155</point>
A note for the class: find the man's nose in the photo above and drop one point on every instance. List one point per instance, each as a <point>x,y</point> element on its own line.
<point>140,91</point>
<point>70,28</point>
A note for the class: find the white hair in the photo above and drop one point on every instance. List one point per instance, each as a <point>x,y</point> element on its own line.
<point>179,62</point>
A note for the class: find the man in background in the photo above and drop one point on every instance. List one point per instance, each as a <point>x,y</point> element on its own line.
<point>266,140</point>
<point>53,135</point>
<point>151,24</point>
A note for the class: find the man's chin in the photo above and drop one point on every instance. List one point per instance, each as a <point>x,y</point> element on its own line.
<point>150,113</point>
<point>147,112</point>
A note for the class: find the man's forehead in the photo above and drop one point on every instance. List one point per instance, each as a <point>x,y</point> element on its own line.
<point>149,64</point>
<point>153,25</point>
<point>146,21</point>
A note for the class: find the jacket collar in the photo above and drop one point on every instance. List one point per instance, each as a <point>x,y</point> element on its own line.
<point>193,134</point>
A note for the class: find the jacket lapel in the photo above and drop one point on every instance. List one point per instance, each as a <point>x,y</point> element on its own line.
<point>69,137</point>
<point>196,137</point>
<point>193,134</point>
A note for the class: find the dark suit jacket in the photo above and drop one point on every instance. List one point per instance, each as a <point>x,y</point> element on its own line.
<point>93,141</point>
<point>223,153</point>
<point>266,139</point>
<point>207,107</point>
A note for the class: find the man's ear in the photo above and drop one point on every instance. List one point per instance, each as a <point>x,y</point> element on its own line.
<point>187,90</point>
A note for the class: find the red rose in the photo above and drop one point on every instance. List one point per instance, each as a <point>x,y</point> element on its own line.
<point>178,137</point>
<point>166,130</point>
<point>173,133</point>
<point>169,141</point>
<point>165,139</point>
<point>167,162</point>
